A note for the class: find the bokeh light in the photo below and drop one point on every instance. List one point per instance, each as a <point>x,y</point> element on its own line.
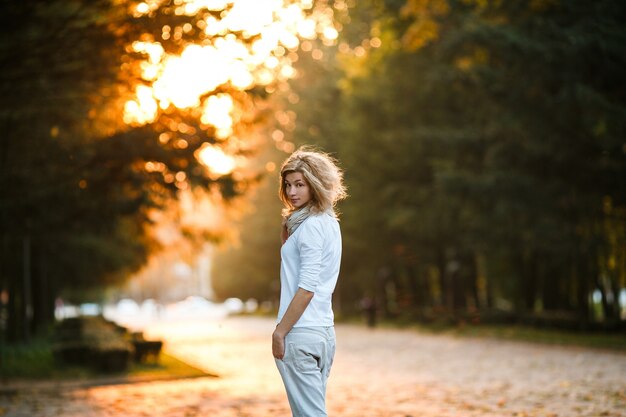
<point>214,158</point>
<point>227,64</point>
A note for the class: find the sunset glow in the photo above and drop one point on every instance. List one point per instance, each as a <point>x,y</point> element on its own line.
<point>226,63</point>
<point>218,162</point>
<point>217,112</point>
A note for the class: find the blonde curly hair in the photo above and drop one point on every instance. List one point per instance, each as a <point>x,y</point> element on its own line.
<point>322,174</point>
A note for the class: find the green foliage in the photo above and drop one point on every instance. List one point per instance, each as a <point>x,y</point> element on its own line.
<point>75,193</point>
<point>484,162</point>
<point>550,337</point>
<point>168,367</point>
<point>35,360</point>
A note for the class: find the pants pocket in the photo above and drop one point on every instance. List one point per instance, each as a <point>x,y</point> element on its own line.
<point>306,357</point>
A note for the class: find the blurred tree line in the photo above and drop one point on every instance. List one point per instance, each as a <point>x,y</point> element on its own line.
<point>247,266</point>
<point>485,154</point>
<point>76,190</point>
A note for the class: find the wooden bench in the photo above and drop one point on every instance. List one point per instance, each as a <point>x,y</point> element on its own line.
<point>147,349</point>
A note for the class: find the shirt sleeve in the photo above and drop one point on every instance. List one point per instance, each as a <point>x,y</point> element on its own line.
<point>310,245</point>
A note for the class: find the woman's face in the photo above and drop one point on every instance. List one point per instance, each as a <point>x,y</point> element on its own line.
<point>297,189</point>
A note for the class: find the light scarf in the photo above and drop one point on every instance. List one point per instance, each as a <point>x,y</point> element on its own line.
<point>296,218</point>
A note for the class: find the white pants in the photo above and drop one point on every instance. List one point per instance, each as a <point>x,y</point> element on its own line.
<point>309,353</point>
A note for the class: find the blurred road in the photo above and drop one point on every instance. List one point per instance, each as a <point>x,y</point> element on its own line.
<point>377,373</point>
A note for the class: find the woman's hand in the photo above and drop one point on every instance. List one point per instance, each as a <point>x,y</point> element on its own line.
<point>278,345</point>
<point>296,307</point>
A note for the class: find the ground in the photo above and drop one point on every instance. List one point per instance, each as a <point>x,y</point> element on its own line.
<point>377,373</point>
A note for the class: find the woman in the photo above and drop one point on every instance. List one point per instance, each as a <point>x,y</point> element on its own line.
<point>303,343</point>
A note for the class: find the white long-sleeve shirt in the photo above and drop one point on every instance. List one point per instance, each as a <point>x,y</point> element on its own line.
<point>310,260</point>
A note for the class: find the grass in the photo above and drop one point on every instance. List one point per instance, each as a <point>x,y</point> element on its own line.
<point>35,361</point>
<point>612,341</point>
<point>167,367</point>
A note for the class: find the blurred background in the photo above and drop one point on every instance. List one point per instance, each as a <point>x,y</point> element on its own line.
<point>483,143</point>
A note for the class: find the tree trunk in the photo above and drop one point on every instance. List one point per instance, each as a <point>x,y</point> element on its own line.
<point>458,280</point>
<point>15,312</point>
<point>444,281</point>
<point>606,309</point>
<point>614,286</point>
<point>550,294</point>
<point>472,279</point>
<point>27,286</point>
<point>567,295</point>
<point>4,282</point>
<point>414,286</point>
<point>580,274</point>
<point>382,298</point>
<point>529,282</point>
<point>426,290</point>
<point>517,292</point>
<point>489,283</point>
<point>43,295</point>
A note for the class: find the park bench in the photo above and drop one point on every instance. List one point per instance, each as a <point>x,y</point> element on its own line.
<point>94,342</point>
<point>147,349</point>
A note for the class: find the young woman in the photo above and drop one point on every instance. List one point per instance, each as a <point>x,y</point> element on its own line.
<point>303,343</point>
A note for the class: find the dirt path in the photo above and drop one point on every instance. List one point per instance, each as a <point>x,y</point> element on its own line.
<point>377,373</point>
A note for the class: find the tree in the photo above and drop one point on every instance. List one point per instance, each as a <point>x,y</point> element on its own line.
<point>482,143</point>
<point>78,183</point>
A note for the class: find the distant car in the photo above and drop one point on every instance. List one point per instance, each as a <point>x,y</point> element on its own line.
<point>197,301</point>
<point>194,307</point>
<point>233,305</point>
<point>150,307</point>
<point>89,309</point>
<point>252,305</point>
<point>66,311</point>
<point>127,306</point>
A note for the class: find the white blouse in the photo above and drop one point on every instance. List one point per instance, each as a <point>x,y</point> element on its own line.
<point>310,260</point>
